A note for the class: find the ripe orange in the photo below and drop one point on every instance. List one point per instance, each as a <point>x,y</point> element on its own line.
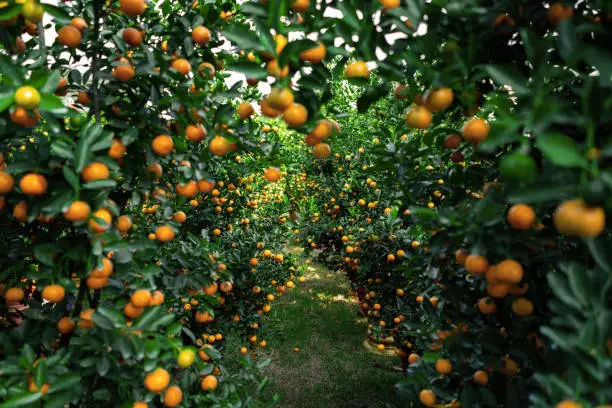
<point>413,358</point>
<point>245,110</point>
<point>117,149</point>
<point>22,117</point>
<point>206,69</point>
<point>200,35</point>
<point>487,306</point>
<point>226,287</point>
<point>69,36</point>
<point>274,70</point>
<point>33,184</point>
<point>358,69</point>
<point>427,397</point>
<point>173,396</point>
<point>132,37</point>
<point>521,217</point>
<point>443,366</point>
<point>78,23</point>
<point>54,293</point>
<point>509,271</point>
<point>157,298</point>
<point>280,98</point>
<point>389,4</point>
<point>205,186</point>
<point>439,99</point>
<point>314,55</point>
<point>475,131</point>
<point>132,8</point>
<point>86,321</point>
<point>179,217</point>
<point>140,404</point>
<point>96,283</point>
<point>95,171</point>
<point>209,383</point>
<point>321,150</point>
<point>219,146</point>
<point>481,377</point>
<point>476,264</point>
<point>195,133</point>
<point>78,211</point>
<point>522,307</point>
<point>7,182</point>
<point>155,169</point>
<point>123,223</point>
<point>157,381</point>
<point>272,174</point>
<point>574,218</point>
<point>20,212</point>
<point>106,271</point>
<point>123,72</point>
<point>163,145</point>
<point>103,214</point>
<point>558,12</point>
<point>322,130</point>
<point>418,117</point>
<point>295,115</point>
<point>181,65</point>
<point>497,290</point>
<point>61,87</point>
<point>141,298</point>
<point>14,295</point>
<point>66,325</point>
<point>187,190</point>
<point>164,233</point>
<point>83,98</point>
<point>268,110</point>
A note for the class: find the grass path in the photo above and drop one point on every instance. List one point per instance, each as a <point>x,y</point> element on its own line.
<point>332,368</point>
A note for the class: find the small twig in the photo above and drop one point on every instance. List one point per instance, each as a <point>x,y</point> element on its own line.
<point>94,59</point>
<point>41,40</point>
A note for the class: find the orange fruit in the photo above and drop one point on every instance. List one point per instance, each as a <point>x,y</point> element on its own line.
<point>157,298</point>
<point>164,233</point>
<point>103,214</point>
<point>187,190</point>
<point>61,89</point>
<point>497,290</point>
<point>226,287</point>
<point>14,295</point>
<point>274,70</point>
<point>518,290</point>
<point>481,377</point>
<point>131,311</point>
<point>219,146</point>
<point>117,149</point>
<point>140,404</point>
<point>272,174</point>
<point>268,110</point>
<point>522,307</point>
<point>22,117</point>
<point>509,271</point>
<point>54,293</point>
<point>209,383</point>
<point>69,36</point>
<point>295,115</point>
<point>78,211</point>
<point>439,99</point>
<point>461,256</point>
<point>96,283</point>
<point>321,150</point>
<point>475,131</point>
<point>476,264</point>
<point>141,298</point>
<point>181,65</point>
<point>314,55</point>
<point>413,358</point>
<point>95,171</point>
<point>33,184</point>
<point>86,321</point>
<point>123,223</point>
<point>322,130</point>
<point>245,110</point>
<point>105,272</point>
<point>443,366</point>
<point>521,216</point>
<point>79,23</point>
<point>487,306</point>
<point>156,169</point>
<point>200,35</point>
<point>389,4</point>
<point>132,8</point>
<point>427,397</point>
<point>83,98</point>
<point>179,217</point>
<point>418,117</point>
<point>157,381</point>
<point>558,12</point>
<point>163,145</point>
<point>66,325</point>
<point>206,69</point>
<point>574,218</point>
<point>7,182</point>
<point>205,186</point>
<point>300,5</point>
<point>27,97</point>
<point>20,212</point>
<point>211,289</point>
<point>358,69</point>
<point>280,98</point>
<point>132,37</point>
<point>123,72</point>
<point>195,133</point>
<point>173,396</point>
<point>280,41</point>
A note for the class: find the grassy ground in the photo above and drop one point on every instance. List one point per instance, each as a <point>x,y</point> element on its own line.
<point>332,368</point>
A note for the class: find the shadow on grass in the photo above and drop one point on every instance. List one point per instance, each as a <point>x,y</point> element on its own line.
<point>332,368</point>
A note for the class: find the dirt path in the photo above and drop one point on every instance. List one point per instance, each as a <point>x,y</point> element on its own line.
<point>332,367</point>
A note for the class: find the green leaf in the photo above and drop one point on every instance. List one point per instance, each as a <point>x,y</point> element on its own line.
<point>147,318</point>
<point>600,250</point>
<point>67,381</point>
<point>245,38</point>
<point>40,373</point>
<point>71,178</point>
<point>370,96</point>
<point>10,71</point>
<point>98,184</point>
<point>51,83</point>
<point>567,40</point>
<point>52,103</point>
<point>103,365</point>
<point>540,194</point>
<point>58,13</point>
<point>6,13</point>
<point>249,69</point>
<point>62,149</point>
<point>163,321</point>
<point>561,150</point>
<point>507,75</point>
<point>152,348</point>
<point>6,98</point>
<point>102,321</point>
<point>558,284</point>
<point>25,399</point>
<point>114,316</point>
